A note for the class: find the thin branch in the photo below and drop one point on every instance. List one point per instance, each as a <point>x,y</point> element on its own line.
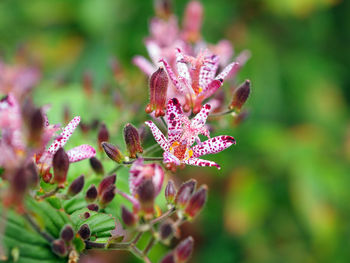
<point>219,114</point>
<point>163,216</point>
<point>149,246</point>
<point>151,148</point>
<point>137,238</point>
<point>114,169</point>
<point>44,234</point>
<point>149,159</point>
<point>48,194</point>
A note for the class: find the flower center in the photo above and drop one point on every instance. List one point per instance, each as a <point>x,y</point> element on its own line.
<point>180,150</point>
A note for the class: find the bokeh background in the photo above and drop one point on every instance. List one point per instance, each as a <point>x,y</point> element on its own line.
<point>283,193</point>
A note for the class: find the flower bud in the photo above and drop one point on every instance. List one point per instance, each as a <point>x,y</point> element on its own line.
<point>185,192</point>
<point>91,194</point>
<point>158,86</point>
<point>103,135</point>
<point>183,250</point>
<point>107,195</point>
<point>132,140</point>
<point>76,186</point>
<point>60,165</point>
<point>106,182</point>
<point>59,247</point>
<point>163,8</point>
<point>240,96</point>
<point>146,195</point>
<point>166,230</point>
<point>170,192</point>
<point>128,217</point>
<point>84,231</point>
<point>86,215</point>
<point>93,207</point>
<point>96,165</point>
<point>193,21</point>
<point>32,174</point>
<point>169,258</point>
<point>196,202</point>
<point>113,152</point>
<point>67,233</point>
<point>36,127</point>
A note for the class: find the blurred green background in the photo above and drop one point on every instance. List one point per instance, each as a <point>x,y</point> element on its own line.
<point>283,193</point>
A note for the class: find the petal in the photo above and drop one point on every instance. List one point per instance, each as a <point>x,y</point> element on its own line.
<point>147,67</point>
<point>181,66</point>
<point>201,162</point>
<point>213,145</point>
<point>199,120</point>
<point>81,152</point>
<point>64,136</point>
<point>178,85</point>
<point>157,178</point>
<point>207,71</point>
<point>153,49</point>
<point>158,135</point>
<point>170,158</point>
<point>174,116</point>
<point>227,70</point>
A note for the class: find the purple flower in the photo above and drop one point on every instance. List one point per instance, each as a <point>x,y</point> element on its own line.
<point>182,133</point>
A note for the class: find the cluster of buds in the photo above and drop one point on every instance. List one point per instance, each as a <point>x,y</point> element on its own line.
<point>187,199</point>
<point>63,245</point>
<point>103,194</point>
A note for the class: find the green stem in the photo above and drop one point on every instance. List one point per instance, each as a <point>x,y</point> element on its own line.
<point>149,246</point>
<point>223,113</point>
<point>48,194</point>
<point>145,159</point>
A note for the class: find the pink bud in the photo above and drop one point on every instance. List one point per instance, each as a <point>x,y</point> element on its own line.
<point>106,182</point>
<point>193,21</point>
<point>170,192</point>
<point>196,202</point>
<point>184,193</point>
<point>183,250</point>
<point>158,86</point>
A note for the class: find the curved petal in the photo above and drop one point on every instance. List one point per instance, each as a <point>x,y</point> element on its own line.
<point>81,152</point>
<point>147,67</point>
<point>201,162</point>
<point>178,85</point>
<point>213,145</point>
<point>200,119</point>
<point>208,70</point>
<point>64,136</point>
<point>181,66</point>
<point>174,116</point>
<point>227,70</point>
<point>158,135</point>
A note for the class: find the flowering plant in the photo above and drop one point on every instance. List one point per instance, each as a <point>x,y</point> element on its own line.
<point>61,215</point>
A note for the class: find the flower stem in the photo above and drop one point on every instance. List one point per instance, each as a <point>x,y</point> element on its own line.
<point>145,159</point>
<point>149,246</point>
<point>223,113</point>
<point>48,194</point>
<point>163,216</point>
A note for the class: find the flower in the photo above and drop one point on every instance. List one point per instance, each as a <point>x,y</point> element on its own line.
<point>84,151</point>
<point>196,76</point>
<point>182,133</point>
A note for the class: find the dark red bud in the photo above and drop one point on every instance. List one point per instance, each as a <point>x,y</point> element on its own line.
<point>107,195</point>
<point>76,186</point>
<point>166,230</point>
<point>86,215</point>
<point>158,86</point>
<point>128,217</point>
<point>96,165</point>
<point>91,194</point>
<point>93,207</point>
<point>67,233</point>
<point>84,231</point>
<point>32,174</point>
<point>146,195</point>
<point>113,152</point>
<point>169,258</point>
<point>106,182</point>
<point>163,8</point>
<point>183,250</point>
<point>36,127</point>
<point>170,192</point>
<point>103,135</point>
<point>60,165</point>
<point>184,193</point>
<point>196,202</point>
<point>59,247</point>
<point>132,140</point>
<point>240,96</point>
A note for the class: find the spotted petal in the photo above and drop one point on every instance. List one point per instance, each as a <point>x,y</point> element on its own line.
<point>199,120</point>
<point>158,135</point>
<point>201,162</point>
<point>181,66</point>
<point>207,71</point>
<point>64,136</point>
<point>81,152</point>
<point>227,70</point>
<point>213,145</point>
<point>177,84</point>
<point>174,116</point>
